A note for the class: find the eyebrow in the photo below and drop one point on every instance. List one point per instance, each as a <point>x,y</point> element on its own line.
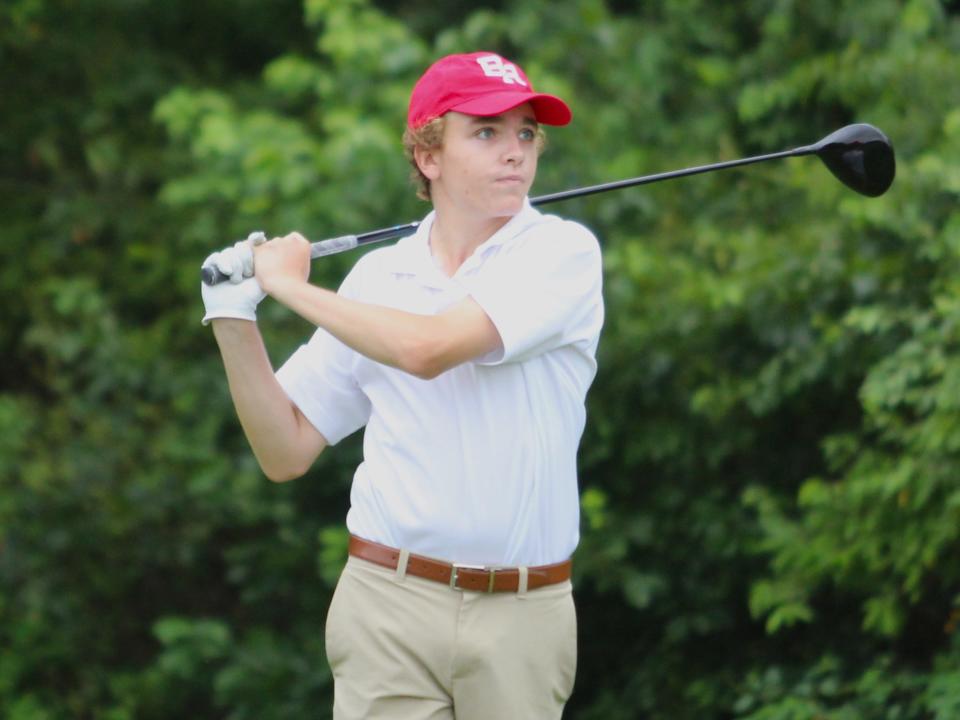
<point>488,119</point>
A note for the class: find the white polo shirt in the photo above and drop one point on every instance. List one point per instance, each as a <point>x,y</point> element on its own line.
<point>478,465</point>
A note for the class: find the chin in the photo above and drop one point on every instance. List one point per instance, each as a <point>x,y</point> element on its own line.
<point>509,208</point>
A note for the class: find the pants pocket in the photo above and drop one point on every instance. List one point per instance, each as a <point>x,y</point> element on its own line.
<point>568,649</point>
<point>335,623</point>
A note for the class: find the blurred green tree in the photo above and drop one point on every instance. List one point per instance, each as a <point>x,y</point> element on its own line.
<point>770,467</point>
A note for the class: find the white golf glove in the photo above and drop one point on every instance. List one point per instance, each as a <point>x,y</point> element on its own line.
<point>239,296</point>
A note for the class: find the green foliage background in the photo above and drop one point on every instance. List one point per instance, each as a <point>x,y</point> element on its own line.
<point>771,469</point>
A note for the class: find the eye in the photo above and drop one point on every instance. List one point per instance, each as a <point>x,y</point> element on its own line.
<point>528,134</point>
<point>485,133</point>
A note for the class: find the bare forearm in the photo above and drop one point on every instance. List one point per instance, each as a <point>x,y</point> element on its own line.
<point>284,444</point>
<point>392,337</point>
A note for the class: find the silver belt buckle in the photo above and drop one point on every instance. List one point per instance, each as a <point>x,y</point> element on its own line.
<point>455,569</point>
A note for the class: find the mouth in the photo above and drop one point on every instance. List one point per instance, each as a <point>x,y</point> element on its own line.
<point>511,180</point>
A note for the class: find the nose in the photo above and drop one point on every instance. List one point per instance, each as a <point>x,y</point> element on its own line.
<point>513,152</point>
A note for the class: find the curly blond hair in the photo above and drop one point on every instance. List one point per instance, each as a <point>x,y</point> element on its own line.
<point>430,137</point>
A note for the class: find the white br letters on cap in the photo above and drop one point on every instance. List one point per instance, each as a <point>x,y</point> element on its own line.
<point>494,66</point>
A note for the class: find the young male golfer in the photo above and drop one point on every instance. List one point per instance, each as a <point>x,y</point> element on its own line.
<point>466,351</point>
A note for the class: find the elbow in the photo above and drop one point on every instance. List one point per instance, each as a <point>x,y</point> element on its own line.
<point>288,456</point>
<point>422,359</point>
<point>284,469</point>
<point>427,370</point>
<point>281,475</point>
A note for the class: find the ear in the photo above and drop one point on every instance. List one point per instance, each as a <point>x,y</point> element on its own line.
<point>427,161</point>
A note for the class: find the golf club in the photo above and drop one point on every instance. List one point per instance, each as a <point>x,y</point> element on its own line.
<point>859,155</point>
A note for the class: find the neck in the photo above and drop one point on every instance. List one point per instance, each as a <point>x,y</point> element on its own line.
<point>454,237</point>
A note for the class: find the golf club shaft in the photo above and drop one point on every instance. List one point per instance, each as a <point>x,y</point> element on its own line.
<point>211,276</point>
<point>348,242</point>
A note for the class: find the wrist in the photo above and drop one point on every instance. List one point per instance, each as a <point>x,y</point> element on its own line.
<point>225,325</point>
<point>281,287</point>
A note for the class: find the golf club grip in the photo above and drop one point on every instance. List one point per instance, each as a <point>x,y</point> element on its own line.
<point>211,275</point>
<point>333,246</point>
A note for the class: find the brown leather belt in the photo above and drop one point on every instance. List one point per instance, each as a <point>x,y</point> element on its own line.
<point>465,577</point>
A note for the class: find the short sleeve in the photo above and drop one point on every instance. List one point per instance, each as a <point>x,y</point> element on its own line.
<point>319,379</point>
<point>542,290</point>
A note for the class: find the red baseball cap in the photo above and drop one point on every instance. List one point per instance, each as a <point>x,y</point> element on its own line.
<point>479,83</point>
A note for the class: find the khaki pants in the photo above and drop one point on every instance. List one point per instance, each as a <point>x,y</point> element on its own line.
<point>408,648</point>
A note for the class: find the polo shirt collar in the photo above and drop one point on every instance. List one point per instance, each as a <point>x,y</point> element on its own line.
<point>414,256</point>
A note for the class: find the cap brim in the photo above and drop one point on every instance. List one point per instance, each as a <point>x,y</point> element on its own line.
<point>548,109</point>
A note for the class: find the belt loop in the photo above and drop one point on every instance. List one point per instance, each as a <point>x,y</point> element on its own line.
<point>522,580</point>
<point>402,565</point>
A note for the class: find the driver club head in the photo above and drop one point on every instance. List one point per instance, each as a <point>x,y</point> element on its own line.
<point>860,156</point>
